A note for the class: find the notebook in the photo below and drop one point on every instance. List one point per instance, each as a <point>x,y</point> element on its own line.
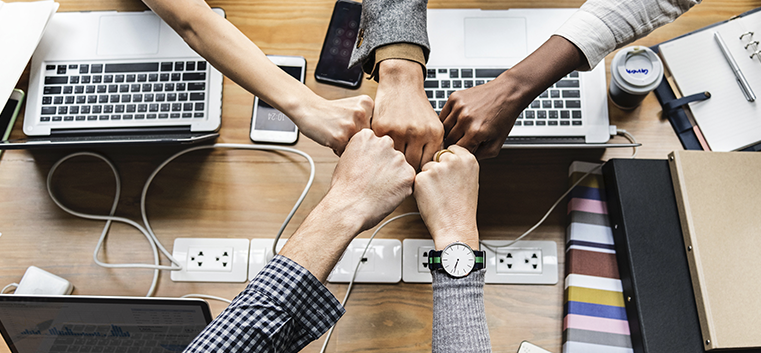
<point>471,47</point>
<point>119,73</point>
<point>718,194</point>
<point>727,120</point>
<point>43,324</point>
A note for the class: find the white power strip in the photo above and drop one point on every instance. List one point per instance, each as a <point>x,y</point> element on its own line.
<point>261,254</point>
<point>525,262</point>
<point>386,261</point>
<point>382,262</point>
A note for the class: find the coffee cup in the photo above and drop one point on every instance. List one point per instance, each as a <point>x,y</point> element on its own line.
<point>635,72</point>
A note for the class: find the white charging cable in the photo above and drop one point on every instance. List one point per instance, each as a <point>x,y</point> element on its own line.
<point>356,269</point>
<point>206,296</point>
<point>12,285</point>
<point>622,132</point>
<point>147,231</point>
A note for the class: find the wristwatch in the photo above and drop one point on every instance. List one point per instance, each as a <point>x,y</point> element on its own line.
<point>457,259</point>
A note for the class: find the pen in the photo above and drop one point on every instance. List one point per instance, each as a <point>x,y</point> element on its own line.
<point>744,86</point>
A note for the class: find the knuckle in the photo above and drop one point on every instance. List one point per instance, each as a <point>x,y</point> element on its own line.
<point>386,141</point>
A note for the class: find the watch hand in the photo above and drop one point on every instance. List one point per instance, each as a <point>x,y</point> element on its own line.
<point>455,264</point>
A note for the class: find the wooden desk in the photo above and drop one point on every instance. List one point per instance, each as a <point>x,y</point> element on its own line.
<point>245,194</point>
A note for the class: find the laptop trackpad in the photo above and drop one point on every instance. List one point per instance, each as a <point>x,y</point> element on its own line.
<point>494,37</point>
<point>129,35</point>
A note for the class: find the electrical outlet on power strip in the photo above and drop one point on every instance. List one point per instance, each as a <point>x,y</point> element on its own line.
<point>524,262</point>
<point>415,260</point>
<point>519,260</point>
<point>211,260</point>
<point>382,262</point>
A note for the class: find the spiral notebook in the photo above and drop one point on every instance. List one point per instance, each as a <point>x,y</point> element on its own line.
<point>727,120</point>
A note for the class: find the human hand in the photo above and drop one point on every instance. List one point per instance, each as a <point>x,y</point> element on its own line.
<point>480,118</point>
<point>370,180</point>
<point>402,111</point>
<point>447,196</point>
<point>332,123</point>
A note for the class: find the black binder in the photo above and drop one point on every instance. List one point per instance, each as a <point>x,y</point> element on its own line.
<point>651,258</point>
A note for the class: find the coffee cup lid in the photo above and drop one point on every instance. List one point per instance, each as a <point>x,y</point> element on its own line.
<point>637,69</point>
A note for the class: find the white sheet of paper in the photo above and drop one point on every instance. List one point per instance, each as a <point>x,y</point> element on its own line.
<point>21,28</point>
<point>727,120</point>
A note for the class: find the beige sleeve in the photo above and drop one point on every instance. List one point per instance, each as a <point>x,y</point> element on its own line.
<point>406,51</point>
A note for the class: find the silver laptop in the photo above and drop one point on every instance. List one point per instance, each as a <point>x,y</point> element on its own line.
<point>119,73</point>
<point>100,324</point>
<point>470,47</point>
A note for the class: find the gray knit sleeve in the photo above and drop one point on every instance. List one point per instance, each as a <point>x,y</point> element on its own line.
<point>459,318</point>
<point>386,22</point>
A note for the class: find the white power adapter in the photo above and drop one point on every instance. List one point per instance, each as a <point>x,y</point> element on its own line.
<point>38,281</point>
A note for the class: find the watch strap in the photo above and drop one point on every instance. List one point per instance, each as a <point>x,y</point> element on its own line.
<point>434,260</point>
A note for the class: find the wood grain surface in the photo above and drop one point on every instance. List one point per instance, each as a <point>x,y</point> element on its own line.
<point>247,194</point>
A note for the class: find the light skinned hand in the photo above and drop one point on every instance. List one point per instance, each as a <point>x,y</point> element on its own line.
<point>332,123</point>
<point>370,180</point>
<point>447,197</point>
<point>402,111</point>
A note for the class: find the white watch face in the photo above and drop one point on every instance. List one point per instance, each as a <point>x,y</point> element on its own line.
<point>458,259</point>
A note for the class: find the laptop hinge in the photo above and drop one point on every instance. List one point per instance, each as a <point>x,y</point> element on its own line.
<point>184,129</point>
<point>544,140</point>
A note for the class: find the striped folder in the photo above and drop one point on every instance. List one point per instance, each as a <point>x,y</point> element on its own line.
<point>595,317</point>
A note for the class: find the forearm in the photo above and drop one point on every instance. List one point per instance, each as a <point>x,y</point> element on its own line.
<point>283,309</point>
<point>322,237</point>
<point>459,316</point>
<point>554,59</point>
<point>233,54</point>
<point>601,26</point>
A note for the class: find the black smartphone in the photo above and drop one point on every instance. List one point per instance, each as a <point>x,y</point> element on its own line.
<point>9,112</point>
<point>332,68</point>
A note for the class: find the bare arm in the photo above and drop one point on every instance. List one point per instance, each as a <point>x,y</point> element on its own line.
<point>370,181</point>
<point>480,118</point>
<point>403,112</point>
<point>330,123</point>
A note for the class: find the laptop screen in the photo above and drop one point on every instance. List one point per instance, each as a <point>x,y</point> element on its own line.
<point>59,323</point>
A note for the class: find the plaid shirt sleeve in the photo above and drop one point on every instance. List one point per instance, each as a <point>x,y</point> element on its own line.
<point>282,310</point>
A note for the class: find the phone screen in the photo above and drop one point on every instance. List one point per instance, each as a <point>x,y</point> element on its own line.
<point>339,42</point>
<point>6,115</point>
<point>269,118</point>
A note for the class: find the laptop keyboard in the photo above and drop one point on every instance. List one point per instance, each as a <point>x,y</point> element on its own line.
<point>123,339</point>
<point>97,92</point>
<point>559,105</point>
